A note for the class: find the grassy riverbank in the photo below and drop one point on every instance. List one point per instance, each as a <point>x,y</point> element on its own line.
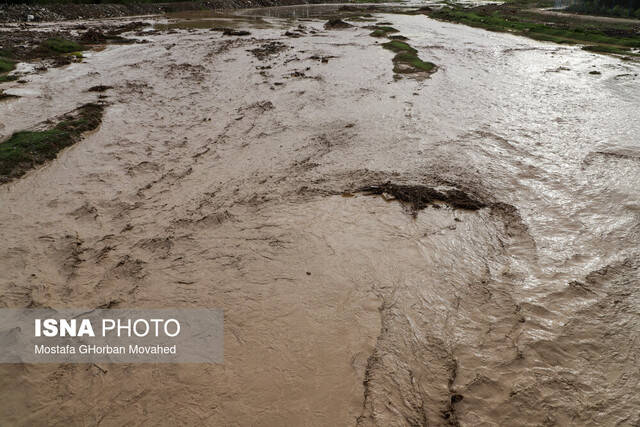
<point>517,17</point>
<point>406,59</point>
<point>25,149</point>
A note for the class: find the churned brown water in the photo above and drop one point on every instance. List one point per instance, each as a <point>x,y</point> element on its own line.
<point>221,180</point>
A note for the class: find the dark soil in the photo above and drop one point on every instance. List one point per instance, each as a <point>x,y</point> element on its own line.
<point>322,59</point>
<point>27,43</point>
<point>4,96</point>
<point>232,32</point>
<point>296,32</point>
<point>93,37</point>
<point>418,197</point>
<point>99,88</point>
<point>337,24</point>
<point>268,49</point>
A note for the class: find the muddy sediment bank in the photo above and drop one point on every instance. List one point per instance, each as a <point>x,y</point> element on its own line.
<point>417,197</point>
<point>26,150</point>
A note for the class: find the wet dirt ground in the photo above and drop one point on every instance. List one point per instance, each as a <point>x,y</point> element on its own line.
<point>222,178</point>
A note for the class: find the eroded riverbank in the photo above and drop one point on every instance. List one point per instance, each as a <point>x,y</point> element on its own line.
<point>230,172</point>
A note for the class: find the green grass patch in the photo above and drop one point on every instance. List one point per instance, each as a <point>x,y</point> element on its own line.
<point>31,147</point>
<point>382,31</point>
<point>514,22</point>
<point>6,78</point>
<point>406,59</point>
<point>360,19</point>
<point>406,62</point>
<point>606,8</point>
<point>386,29</point>
<point>76,55</point>
<point>609,49</point>
<point>398,46</point>
<point>26,149</point>
<point>6,65</point>
<point>546,38</point>
<point>61,45</point>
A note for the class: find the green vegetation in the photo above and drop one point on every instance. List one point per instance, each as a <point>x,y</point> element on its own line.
<point>360,19</point>
<point>6,65</point>
<point>398,46</point>
<point>386,29</point>
<point>76,55</point>
<point>527,24</point>
<point>609,49</point>
<point>406,62</point>
<point>629,9</point>
<point>406,59</point>
<point>6,78</point>
<point>382,31</point>
<point>547,38</point>
<point>415,63</point>
<point>61,45</point>
<point>26,149</point>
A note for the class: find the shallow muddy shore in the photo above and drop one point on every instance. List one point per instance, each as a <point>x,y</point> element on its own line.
<point>461,249</point>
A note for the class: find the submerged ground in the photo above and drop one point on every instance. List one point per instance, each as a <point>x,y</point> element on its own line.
<point>227,173</point>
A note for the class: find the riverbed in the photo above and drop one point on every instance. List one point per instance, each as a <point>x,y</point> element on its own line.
<point>228,177</point>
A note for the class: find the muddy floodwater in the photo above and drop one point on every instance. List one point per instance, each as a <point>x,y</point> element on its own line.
<point>227,173</point>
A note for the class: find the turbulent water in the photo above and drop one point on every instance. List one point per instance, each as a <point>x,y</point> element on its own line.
<point>221,180</point>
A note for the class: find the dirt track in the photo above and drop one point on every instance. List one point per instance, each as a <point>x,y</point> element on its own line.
<point>220,178</point>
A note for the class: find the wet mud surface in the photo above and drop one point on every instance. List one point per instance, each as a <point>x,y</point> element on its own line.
<point>458,250</point>
<point>58,44</point>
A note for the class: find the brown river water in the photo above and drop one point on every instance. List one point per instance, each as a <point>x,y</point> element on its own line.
<point>220,180</point>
